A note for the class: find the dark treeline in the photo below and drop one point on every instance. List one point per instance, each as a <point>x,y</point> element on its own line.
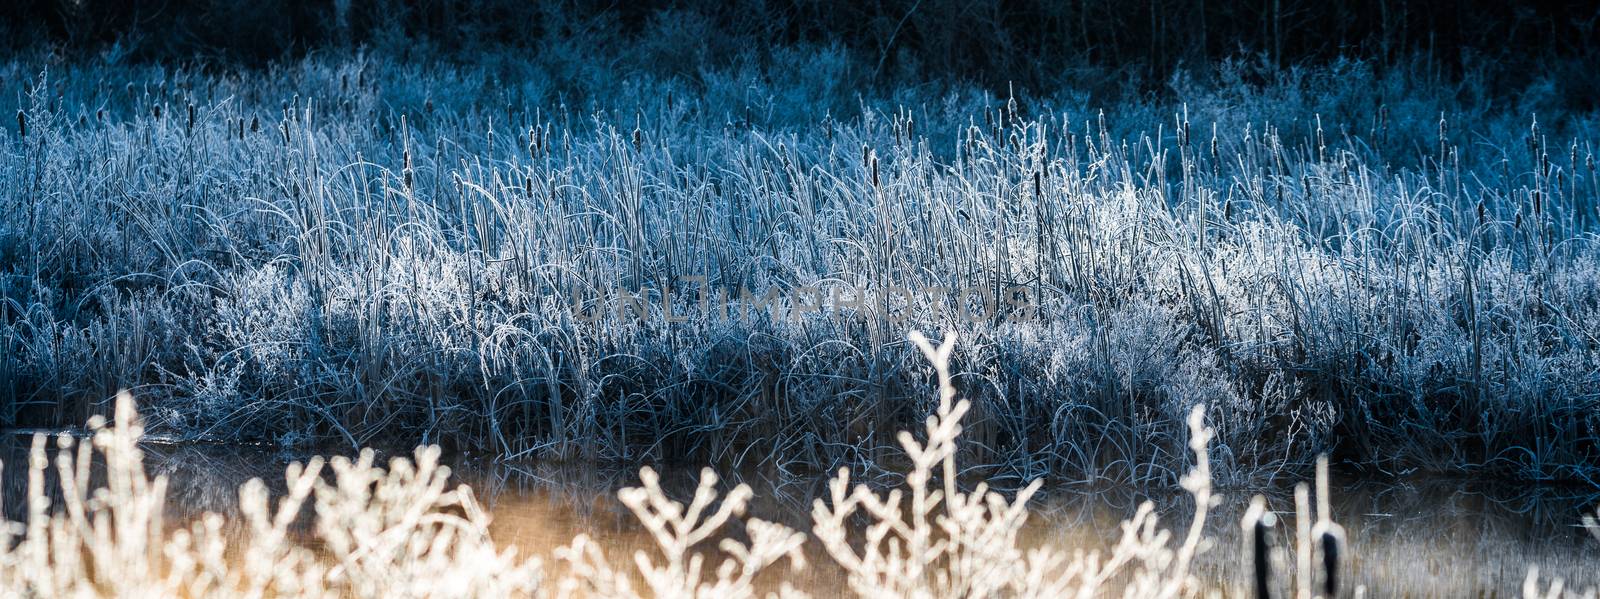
<point>996,43</point>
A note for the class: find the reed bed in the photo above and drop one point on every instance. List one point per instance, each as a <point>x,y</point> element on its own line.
<point>354,250</point>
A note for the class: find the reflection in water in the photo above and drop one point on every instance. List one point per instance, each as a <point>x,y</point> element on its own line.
<point>1415,537</point>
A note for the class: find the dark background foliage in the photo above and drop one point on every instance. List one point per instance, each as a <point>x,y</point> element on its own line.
<point>995,43</point>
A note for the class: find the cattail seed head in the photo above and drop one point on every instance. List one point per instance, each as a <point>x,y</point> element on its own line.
<point>406,172</point>
<point>1183,128</point>
<point>1214,148</point>
<point>1258,523</point>
<point>1330,543</point>
<point>1322,143</point>
<point>875,181</point>
<point>22,123</point>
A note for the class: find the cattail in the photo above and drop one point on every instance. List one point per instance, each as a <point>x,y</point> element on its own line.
<point>1444,134</point>
<point>1258,524</point>
<point>1322,144</point>
<point>255,124</point>
<point>406,172</point>
<point>1572,154</point>
<point>1215,151</point>
<point>241,128</point>
<point>189,127</point>
<point>638,137</point>
<point>157,111</point>
<point>22,123</point>
<point>1329,535</point>
<point>99,115</point>
<point>875,181</point>
<point>1183,127</point>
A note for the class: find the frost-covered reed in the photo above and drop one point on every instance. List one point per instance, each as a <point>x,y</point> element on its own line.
<point>1331,260</point>
<point>378,532</point>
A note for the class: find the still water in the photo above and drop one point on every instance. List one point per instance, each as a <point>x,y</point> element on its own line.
<point>1414,536</point>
